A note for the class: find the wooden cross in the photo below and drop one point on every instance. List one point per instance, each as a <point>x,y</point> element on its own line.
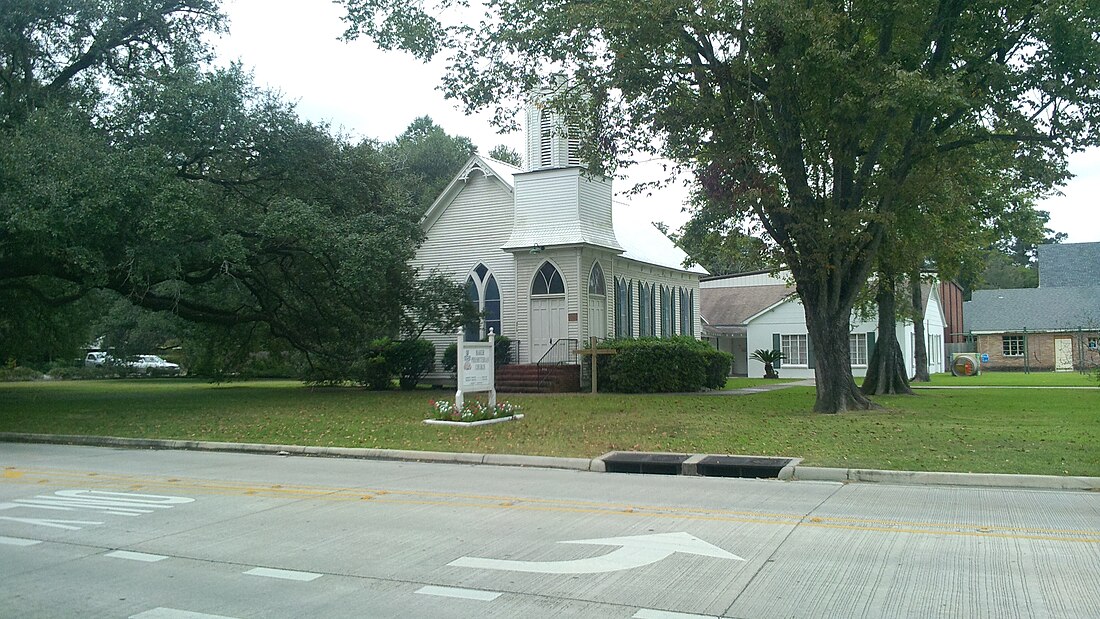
<point>594,352</point>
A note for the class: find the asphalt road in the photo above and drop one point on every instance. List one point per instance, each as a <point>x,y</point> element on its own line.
<point>99,532</point>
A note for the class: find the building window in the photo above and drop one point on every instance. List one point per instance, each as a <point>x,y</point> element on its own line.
<point>1094,343</point>
<point>620,307</point>
<point>795,349</point>
<point>666,312</point>
<point>596,284</point>
<point>547,281</point>
<point>482,290</point>
<point>857,348</point>
<point>1012,345</point>
<point>647,310</point>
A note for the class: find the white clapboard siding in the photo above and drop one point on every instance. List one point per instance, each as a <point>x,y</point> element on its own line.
<point>471,230</point>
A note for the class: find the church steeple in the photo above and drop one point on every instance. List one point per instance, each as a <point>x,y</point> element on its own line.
<point>551,143</point>
<point>557,202</point>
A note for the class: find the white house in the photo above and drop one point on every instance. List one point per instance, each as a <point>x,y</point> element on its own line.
<point>549,257</point>
<point>760,310</point>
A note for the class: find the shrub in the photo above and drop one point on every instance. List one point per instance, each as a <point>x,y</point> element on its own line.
<point>450,358</point>
<point>667,365</point>
<point>411,360</point>
<point>80,372</point>
<point>18,374</point>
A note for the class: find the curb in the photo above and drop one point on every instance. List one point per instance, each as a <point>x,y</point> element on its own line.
<point>933,478</point>
<point>790,473</point>
<point>576,464</point>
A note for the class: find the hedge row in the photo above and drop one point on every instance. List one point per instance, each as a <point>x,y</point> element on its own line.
<point>662,365</point>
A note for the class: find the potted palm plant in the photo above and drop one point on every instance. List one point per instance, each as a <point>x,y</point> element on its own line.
<point>768,358</point>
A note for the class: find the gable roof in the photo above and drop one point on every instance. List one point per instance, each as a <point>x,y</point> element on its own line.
<point>736,306</point>
<point>503,173</point>
<point>642,241</point>
<point>1034,309</point>
<point>1069,264</point>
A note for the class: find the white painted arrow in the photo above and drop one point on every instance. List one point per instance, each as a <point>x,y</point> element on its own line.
<point>634,551</point>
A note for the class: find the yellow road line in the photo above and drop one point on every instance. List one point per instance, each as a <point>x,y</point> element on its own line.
<point>14,475</point>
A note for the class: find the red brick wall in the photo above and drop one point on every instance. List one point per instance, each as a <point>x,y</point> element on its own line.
<point>1040,351</point>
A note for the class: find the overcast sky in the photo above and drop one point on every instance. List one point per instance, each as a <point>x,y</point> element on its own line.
<point>292,46</point>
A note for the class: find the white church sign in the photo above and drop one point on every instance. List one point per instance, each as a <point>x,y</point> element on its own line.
<point>476,369</point>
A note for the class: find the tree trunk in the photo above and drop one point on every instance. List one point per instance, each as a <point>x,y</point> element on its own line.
<point>920,343</point>
<point>886,372</point>
<point>836,388</point>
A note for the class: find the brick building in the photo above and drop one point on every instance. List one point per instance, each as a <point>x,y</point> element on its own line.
<point>1053,327</point>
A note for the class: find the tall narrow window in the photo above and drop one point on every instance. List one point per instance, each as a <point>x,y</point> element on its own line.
<point>857,348</point>
<point>647,310</point>
<point>484,293</point>
<point>629,309</point>
<point>686,312</point>
<point>620,307</point>
<point>666,313</point>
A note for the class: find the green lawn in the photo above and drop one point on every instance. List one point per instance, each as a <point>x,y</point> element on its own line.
<point>1017,379</point>
<point>742,382</point>
<point>988,430</point>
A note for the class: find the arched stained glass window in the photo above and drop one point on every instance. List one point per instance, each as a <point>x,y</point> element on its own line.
<point>547,281</point>
<point>484,293</point>
<point>596,283</point>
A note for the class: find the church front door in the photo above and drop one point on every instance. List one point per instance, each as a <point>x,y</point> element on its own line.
<point>548,324</point>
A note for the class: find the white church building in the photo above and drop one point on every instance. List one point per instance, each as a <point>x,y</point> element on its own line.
<point>550,257</point>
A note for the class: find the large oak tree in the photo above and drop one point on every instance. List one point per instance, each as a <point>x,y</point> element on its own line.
<point>128,166</point>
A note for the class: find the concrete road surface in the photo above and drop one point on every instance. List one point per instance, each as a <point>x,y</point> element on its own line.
<point>99,532</point>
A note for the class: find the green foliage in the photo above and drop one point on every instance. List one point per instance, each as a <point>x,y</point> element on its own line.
<point>764,355</point>
<point>424,159</point>
<point>504,153</point>
<point>411,360</point>
<point>128,166</point>
<point>449,361</point>
<point>768,358</point>
<point>18,374</point>
<point>663,365</point>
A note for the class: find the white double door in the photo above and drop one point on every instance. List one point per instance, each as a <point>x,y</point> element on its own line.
<point>548,324</point>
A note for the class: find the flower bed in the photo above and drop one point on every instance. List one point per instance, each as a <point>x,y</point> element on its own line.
<point>473,412</point>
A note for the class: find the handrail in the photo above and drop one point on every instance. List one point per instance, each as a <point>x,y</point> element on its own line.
<point>561,352</point>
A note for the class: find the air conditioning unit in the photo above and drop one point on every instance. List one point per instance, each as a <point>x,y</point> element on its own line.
<point>966,364</point>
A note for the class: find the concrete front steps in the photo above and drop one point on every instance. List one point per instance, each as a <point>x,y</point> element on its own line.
<point>525,378</point>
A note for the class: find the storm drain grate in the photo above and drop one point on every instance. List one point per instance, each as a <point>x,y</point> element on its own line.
<point>741,466</point>
<point>650,463</point>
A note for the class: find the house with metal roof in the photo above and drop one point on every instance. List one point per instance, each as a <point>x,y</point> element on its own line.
<point>550,258</point>
<point>1053,327</point>
<point>745,312</point>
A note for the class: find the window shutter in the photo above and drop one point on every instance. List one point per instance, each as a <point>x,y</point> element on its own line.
<point>776,346</point>
<point>809,351</point>
<point>870,345</point>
